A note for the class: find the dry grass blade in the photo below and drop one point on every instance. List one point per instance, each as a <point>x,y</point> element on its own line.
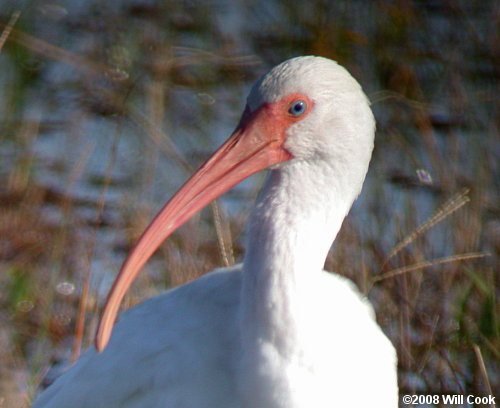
<point>449,207</point>
<point>83,304</point>
<point>8,28</point>
<point>155,133</point>
<point>426,264</point>
<point>58,54</point>
<point>385,95</point>
<point>223,235</point>
<point>428,352</point>
<point>482,366</point>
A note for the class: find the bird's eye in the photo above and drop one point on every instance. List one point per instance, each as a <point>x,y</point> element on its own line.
<point>297,108</point>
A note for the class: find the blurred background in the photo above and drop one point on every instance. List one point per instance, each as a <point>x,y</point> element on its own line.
<point>106,107</point>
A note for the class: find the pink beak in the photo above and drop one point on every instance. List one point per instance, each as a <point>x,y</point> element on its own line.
<point>257,143</point>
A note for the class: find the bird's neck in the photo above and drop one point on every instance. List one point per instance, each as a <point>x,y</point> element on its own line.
<point>291,231</point>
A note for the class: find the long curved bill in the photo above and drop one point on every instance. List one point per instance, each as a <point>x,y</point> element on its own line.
<point>257,143</point>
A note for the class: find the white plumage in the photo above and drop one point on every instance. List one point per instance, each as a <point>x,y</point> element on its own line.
<point>275,331</point>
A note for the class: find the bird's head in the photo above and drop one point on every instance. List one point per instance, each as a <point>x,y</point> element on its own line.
<point>321,109</point>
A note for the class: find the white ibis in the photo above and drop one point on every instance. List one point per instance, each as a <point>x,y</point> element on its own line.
<point>275,331</point>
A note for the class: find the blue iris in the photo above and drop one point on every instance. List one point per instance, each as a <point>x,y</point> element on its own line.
<point>298,108</point>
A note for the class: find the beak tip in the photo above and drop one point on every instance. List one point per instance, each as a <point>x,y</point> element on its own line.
<point>102,337</point>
